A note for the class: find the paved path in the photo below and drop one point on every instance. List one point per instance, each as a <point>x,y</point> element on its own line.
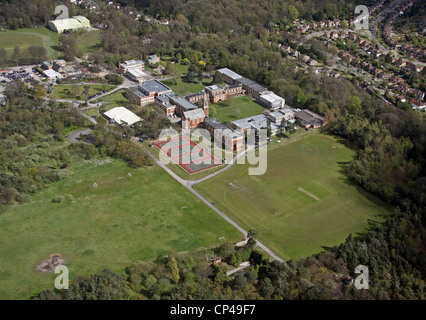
<point>75,136</point>
<point>189,185</point>
<point>237,270</point>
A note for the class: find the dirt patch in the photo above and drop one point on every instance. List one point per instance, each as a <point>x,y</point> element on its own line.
<point>309,194</point>
<point>50,264</point>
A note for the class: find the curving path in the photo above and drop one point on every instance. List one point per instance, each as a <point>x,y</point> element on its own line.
<point>189,185</point>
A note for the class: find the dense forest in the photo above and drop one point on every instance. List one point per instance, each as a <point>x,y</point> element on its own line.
<point>390,161</point>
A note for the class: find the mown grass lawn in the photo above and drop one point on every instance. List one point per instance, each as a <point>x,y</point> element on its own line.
<point>28,37</point>
<point>123,220</point>
<point>184,87</point>
<point>113,100</point>
<point>76,92</point>
<point>289,221</point>
<point>237,108</point>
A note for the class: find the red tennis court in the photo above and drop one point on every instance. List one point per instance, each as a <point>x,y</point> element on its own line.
<point>188,155</point>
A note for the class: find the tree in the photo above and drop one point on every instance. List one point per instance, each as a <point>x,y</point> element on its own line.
<point>233,259</point>
<point>16,55</point>
<point>252,233</point>
<point>354,104</point>
<point>217,77</point>
<point>39,91</point>
<point>293,12</point>
<point>237,113</point>
<point>174,269</point>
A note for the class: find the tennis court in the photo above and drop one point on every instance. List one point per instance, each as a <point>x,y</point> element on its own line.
<point>190,156</point>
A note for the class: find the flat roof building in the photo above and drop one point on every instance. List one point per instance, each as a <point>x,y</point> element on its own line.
<point>136,75</point>
<point>131,64</point>
<point>229,76</point>
<point>272,101</point>
<point>252,88</point>
<point>122,116</point>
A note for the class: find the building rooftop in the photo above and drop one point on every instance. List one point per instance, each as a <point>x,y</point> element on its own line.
<point>137,73</point>
<point>154,86</point>
<point>194,114</point>
<point>130,63</point>
<point>122,115</point>
<point>138,92</point>
<point>214,87</point>
<point>182,102</point>
<point>233,75</point>
<point>252,85</point>
<point>272,98</point>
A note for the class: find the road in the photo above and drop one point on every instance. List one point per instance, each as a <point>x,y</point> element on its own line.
<point>75,136</point>
<point>189,185</point>
<point>237,270</point>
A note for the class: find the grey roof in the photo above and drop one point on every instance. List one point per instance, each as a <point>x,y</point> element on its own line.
<point>214,87</point>
<point>252,85</point>
<point>154,86</point>
<point>216,124</point>
<point>182,102</point>
<point>138,92</point>
<point>227,132</point>
<point>233,75</point>
<point>257,122</point>
<point>309,117</point>
<point>194,114</point>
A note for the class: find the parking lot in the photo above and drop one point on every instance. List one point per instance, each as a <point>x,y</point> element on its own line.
<point>26,74</point>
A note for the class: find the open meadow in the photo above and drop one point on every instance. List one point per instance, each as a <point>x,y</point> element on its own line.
<point>28,37</point>
<point>303,202</point>
<point>122,220</point>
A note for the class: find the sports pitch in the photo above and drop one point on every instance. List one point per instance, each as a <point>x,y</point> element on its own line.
<point>303,202</point>
<point>190,156</point>
<point>25,38</point>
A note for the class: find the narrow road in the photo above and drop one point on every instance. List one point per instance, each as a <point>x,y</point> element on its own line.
<point>189,185</point>
<point>237,270</point>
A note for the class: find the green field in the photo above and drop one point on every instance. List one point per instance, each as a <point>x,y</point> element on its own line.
<point>28,37</point>
<point>113,100</point>
<point>246,107</point>
<point>123,220</point>
<point>76,92</point>
<point>89,42</point>
<point>182,69</point>
<point>185,87</point>
<point>290,222</point>
<point>91,112</point>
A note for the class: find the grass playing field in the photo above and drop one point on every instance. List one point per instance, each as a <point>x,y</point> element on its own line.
<point>76,92</point>
<point>123,220</point>
<point>246,108</point>
<point>278,205</point>
<point>25,38</point>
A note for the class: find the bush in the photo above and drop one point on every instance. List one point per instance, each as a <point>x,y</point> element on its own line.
<point>58,199</point>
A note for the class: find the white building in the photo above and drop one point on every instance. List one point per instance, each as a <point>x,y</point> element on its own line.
<point>52,74</point>
<point>74,23</point>
<point>136,75</point>
<point>272,101</point>
<point>122,116</point>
